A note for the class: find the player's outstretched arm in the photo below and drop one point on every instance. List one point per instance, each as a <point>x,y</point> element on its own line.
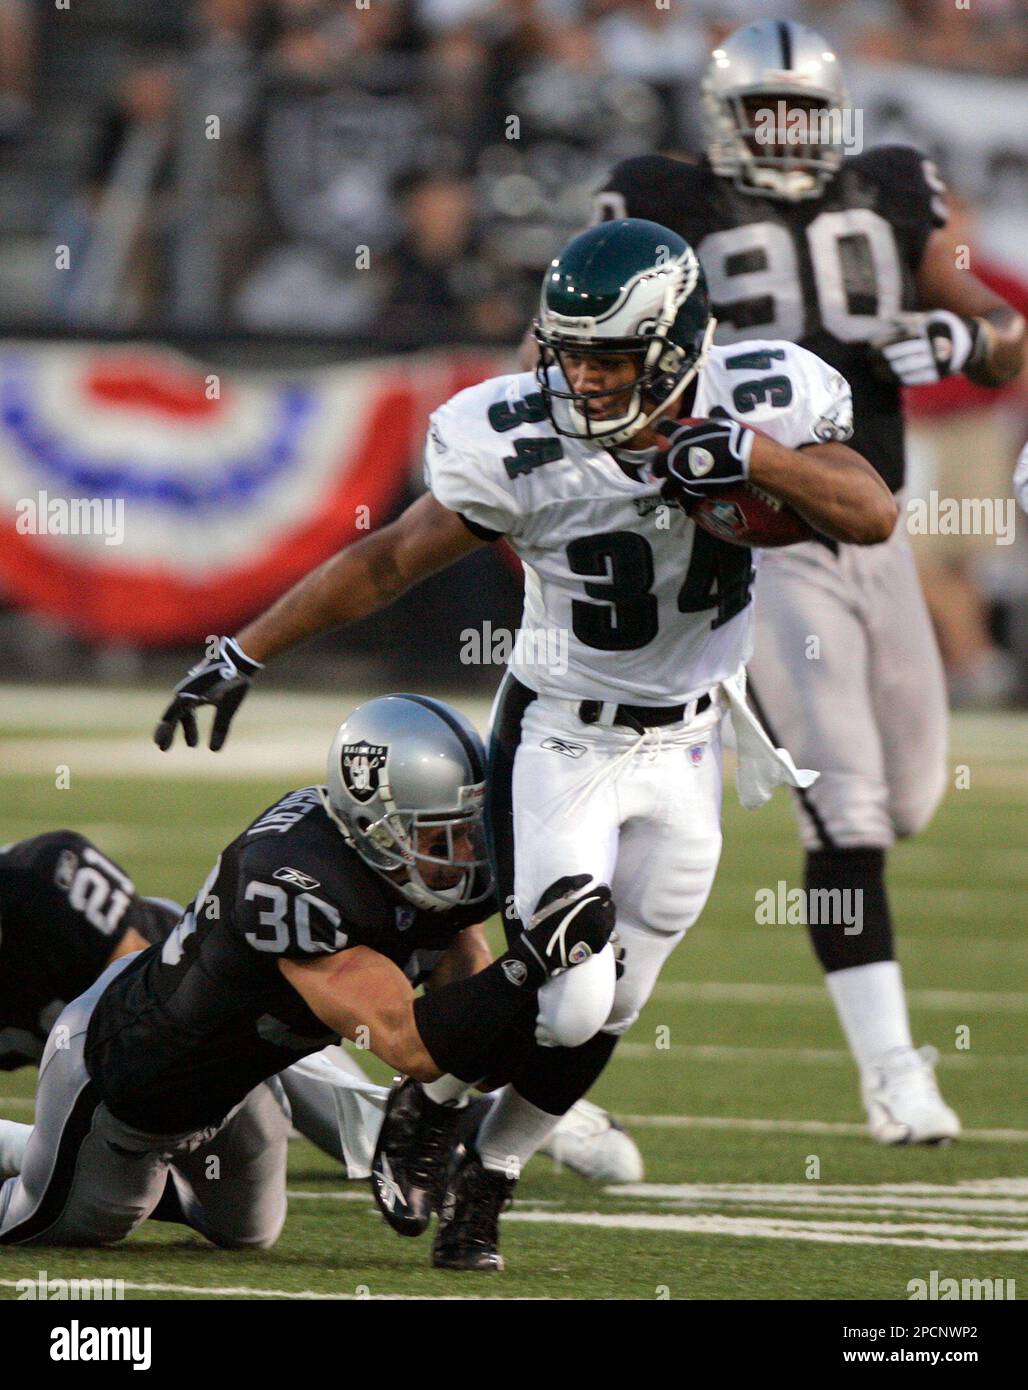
<point>997,331</point>
<point>831,486</point>
<point>458,1028</point>
<point>364,577</point>
<point>355,582</point>
<point>364,997</point>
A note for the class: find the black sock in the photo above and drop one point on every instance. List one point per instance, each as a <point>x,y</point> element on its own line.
<point>856,870</point>
<point>553,1078</point>
<point>463,1024</point>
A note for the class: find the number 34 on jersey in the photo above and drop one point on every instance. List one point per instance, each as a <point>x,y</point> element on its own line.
<point>649,609</point>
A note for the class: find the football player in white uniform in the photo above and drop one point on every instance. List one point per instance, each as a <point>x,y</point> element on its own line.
<point>848,257</point>
<point>605,758</point>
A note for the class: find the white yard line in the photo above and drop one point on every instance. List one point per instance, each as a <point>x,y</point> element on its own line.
<point>801,1056</point>
<point>923,1199</point>
<point>925,1236</point>
<point>31,707</point>
<point>828,1127</point>
<point>840,1129</point>
<point>739,992</point>
<point>244,1291</point>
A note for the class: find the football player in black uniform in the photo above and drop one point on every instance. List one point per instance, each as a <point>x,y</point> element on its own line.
<point>67,910</point>
<point>844,256</point>
<point>297,937</point>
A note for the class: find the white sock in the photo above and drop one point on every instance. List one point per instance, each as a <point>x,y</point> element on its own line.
<point>14,1140</point>
<point>872,1009</point>
<point>512,1132</point>
<point>448,1090</point>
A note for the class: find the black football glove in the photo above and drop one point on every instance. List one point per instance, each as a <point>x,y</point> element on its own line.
<point>574,921</point>
<point>221,681</point>
<point>702,459</point>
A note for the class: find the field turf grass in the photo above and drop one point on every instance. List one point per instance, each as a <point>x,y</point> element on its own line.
<point>735,1079</point>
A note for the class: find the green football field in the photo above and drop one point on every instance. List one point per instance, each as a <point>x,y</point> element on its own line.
<point>760,1179</point>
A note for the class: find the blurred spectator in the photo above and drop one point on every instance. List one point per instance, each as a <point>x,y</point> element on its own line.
<point>439,272</point>
<point>112,224</point>
<point>326,109</point>
<point>16,58</point>
<point>863,30</point>
<point>666,48</point>
<point>341,122</point>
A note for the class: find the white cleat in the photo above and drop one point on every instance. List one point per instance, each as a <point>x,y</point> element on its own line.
<point>588,1141</point>
<point>903,1101</point>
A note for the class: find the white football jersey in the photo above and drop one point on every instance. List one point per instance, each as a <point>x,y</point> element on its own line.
<point>625,599</point>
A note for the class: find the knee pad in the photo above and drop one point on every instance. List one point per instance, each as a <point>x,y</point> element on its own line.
<point>576,1005</point>
<point>840,811</point>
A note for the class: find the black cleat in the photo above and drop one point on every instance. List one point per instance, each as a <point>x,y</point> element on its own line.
<point>468,1236</point>
<point>408,1172</point>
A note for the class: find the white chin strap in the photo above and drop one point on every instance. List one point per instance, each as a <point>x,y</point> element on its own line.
<point>622,428</point>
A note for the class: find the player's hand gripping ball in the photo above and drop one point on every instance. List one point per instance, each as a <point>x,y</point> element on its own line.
<point>706,466</point>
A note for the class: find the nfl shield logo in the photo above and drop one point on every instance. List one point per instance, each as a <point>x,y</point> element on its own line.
<point>362,764</point>
<point>696,754</point>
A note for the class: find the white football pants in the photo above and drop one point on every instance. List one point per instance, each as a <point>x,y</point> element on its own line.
<point>641,813</point>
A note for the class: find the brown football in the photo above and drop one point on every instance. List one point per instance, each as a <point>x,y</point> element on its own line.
<point>744,514</point>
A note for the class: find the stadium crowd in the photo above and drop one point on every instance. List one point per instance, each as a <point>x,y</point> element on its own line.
<point>371,161</point>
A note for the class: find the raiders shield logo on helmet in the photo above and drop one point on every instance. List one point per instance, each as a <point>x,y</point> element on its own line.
<point>362,765</point>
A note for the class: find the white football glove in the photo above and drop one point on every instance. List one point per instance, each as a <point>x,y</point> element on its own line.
<point>922,348</point>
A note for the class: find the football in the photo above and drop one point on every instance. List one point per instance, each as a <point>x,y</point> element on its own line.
<point>744,514</point>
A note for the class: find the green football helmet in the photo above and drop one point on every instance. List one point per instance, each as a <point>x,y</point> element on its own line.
<point>625,287</point>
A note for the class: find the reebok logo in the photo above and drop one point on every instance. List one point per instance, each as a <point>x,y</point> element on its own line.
<point>296,878</point>
<point>389,1189</point>
<point>561,745</point>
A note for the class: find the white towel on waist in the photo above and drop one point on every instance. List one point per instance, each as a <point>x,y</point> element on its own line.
<point>761,766</point>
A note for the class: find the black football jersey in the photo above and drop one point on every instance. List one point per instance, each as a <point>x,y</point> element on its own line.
<point>64,907</point>
<point>829,273</point>
<point>187,1029</point>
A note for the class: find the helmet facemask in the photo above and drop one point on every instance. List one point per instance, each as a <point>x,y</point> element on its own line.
<point>665,366</point>
<point>456,850</point>
<point>393,845</point>
<point>786,69</point>
<point>778,168</point>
